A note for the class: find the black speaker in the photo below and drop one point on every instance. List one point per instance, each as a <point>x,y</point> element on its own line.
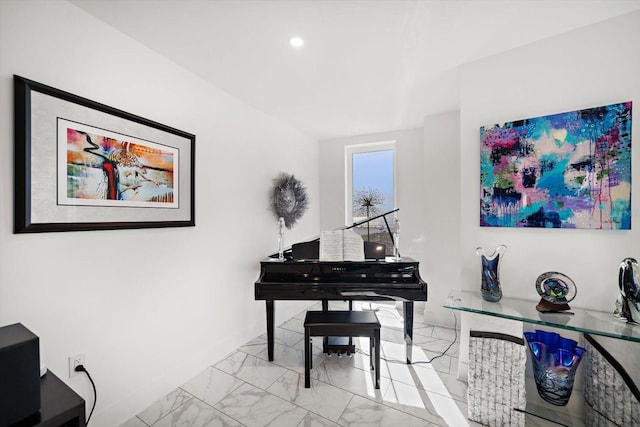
<point>19,374</point>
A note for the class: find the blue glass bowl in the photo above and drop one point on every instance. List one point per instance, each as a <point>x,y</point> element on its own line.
<point>555,361</point>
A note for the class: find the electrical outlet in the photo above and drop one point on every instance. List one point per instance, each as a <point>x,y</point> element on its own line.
<point>75,360</point>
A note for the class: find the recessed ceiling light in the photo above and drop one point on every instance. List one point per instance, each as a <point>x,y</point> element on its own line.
<point>296,42</point>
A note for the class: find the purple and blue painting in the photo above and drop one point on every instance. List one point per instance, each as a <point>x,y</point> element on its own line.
<point>567,170</point>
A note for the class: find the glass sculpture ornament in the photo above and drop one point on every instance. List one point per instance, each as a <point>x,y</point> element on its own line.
<point>490,288</point>
<point>556,290</point>
<point>396,241</point>
<point>281,239</point>
<point>628,303</point>
<point>555,360</point>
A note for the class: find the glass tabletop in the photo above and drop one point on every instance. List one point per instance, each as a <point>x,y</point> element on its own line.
<point>582,320</point>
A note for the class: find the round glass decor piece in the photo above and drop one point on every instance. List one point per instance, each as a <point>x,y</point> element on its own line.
<point>556,288</point>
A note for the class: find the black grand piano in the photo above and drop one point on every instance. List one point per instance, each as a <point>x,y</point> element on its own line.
<point>301,276</point>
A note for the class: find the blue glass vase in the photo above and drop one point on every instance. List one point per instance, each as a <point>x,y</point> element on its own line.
<point>490,288</point>
<point>555,361</point>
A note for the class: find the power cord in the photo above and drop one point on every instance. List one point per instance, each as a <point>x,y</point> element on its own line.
<point>455,338</point>
<point>81,368</point>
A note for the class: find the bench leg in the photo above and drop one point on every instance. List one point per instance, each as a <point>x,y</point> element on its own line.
<point>371,351</point>
<point>307,359</point>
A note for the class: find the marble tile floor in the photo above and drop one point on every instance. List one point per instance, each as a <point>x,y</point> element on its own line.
<point>245,389</point>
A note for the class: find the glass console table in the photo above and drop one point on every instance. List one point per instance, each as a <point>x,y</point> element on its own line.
<point>582,320</point>
<point>586,321</point>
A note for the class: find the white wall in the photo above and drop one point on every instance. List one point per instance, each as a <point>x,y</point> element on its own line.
<point>593,66</point>
<point>597,65</point>
<point>150,308</point>
<point>409,186</point>
<point>441,213</point>
<point>409,183</point>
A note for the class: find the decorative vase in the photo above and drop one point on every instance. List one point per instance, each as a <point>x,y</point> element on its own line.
<point>555,361</point>
<point>628,303</point>
<point>491,290</point>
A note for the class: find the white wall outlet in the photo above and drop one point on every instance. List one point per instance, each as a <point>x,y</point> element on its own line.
<point>75,360</point>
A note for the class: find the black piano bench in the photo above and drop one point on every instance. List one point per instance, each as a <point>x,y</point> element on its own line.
<point>342,324</point>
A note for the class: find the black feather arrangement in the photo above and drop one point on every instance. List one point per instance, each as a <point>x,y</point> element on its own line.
<point>289,199</point>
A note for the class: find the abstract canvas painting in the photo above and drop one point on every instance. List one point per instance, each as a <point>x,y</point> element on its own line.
<point>566,170</point>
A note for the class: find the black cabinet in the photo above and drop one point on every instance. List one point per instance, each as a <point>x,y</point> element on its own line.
<point>60,406</point>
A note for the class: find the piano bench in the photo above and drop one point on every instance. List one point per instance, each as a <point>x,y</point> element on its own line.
<point>342,324</point>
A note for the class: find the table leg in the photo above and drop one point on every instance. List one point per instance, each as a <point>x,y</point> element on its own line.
<point>270,332</point>
<point>408,328</point>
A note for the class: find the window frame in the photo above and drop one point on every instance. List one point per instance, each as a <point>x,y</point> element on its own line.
<point>349,151</point>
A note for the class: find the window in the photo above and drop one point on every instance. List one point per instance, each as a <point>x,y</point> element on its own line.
<point>370,187</point>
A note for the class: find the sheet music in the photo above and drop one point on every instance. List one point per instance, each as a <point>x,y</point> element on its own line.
<point>341,245</point>
<point>353,246</point>
<point>331,245</point>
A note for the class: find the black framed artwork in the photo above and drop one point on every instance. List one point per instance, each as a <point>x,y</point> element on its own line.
<point>81,165</point>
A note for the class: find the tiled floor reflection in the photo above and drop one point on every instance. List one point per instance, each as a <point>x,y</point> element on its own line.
<point>245,389</point>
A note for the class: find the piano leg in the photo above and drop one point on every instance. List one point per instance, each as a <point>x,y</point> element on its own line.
<point>270,319</point>
<point>325,340</point>
<point>408,328</point>
<point>350,338</point>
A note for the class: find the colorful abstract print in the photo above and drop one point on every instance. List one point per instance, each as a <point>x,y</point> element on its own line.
<point>115,170</point>
<point>567,170</point>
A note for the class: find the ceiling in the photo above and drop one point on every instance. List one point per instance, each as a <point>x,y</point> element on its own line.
<point>366,66</point>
